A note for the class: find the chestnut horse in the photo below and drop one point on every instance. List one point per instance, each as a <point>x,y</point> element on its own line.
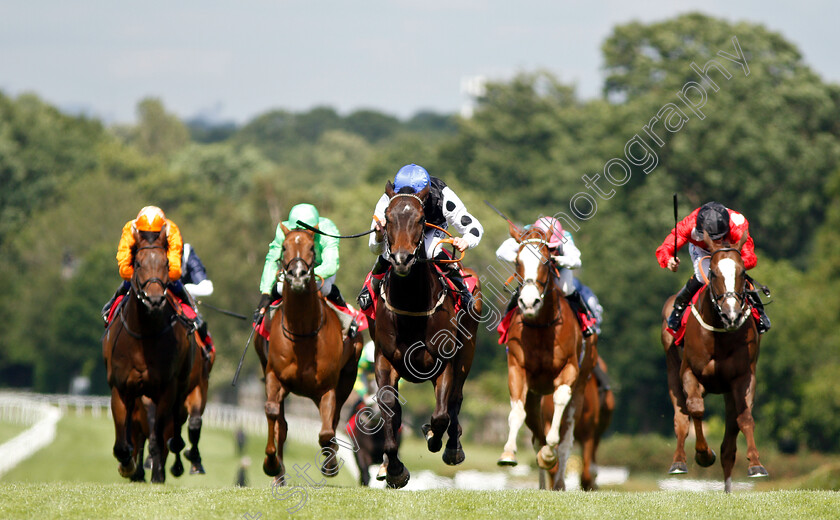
<point>546,356</point>
<point>719,355</point>
<point>307,356</point>
<point>194,406</point>
<point>418,335</point>
<point>591,422</point>
<point>148,353</point>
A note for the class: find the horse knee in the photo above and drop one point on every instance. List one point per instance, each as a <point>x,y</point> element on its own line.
<point>272,410</point>
<point>695,407</point>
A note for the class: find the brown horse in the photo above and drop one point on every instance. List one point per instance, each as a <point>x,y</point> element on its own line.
<point>418,335</point>
<point>148,353</point>
<point>194,406</point>
<point>719,355</point>
<point>591,422</point>
<point>546,356</point>
<point>307,356</point>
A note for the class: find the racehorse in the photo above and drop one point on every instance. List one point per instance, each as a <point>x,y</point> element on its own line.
<point>546,355</point>
<point>194,404</point>
<point>719,356</point>
<point>418,335</point>
<point>307,356</point>
<point>148,353</point>
<point>370,441</point>
<point>591,422</point>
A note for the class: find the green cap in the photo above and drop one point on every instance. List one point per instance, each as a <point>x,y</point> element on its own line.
<point>305,213</point>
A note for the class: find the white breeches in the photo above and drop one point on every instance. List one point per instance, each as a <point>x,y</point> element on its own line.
<point>700,258</point>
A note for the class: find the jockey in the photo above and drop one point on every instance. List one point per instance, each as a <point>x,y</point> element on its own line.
<point>150,219</point>
<point>326,262</point>
<point>566,257</point>
<point>195,280</point>
<point>441,208</point>
<point>721,224</point>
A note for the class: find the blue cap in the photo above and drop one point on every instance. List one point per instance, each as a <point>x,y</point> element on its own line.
<point>413,176</point>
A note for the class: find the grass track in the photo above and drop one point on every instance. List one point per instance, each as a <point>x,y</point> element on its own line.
<point>9,431</point>
<point>66,500</point>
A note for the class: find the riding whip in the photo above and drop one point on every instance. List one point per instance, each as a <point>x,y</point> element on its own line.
<point>223,311</point>
<point>676,220</point>
<point>318,231</point>
<point>250,337</point>
<point>499,212</point>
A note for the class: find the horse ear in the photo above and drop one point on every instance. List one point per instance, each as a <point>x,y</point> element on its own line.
<point>743,240</point>
<point>710,245</point>
<point>514,231</point>
<point>422,194</point>
<point>389,189</point>
<point>285,229</point>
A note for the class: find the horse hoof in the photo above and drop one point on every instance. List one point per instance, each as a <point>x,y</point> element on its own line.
<point>705,459</point>
<point>398,481</point>
<point>279,481</point>
<point>177,468</point>
<point>454,457</point>
<point>129,470</point>
<point>546,459</point>
<point>757,472</point>
<point>383,472</point>
<point>272,466</point>
<point>508,458</point>
<point>433,443</point>
<point>678,468</point>
<point>197,469</point>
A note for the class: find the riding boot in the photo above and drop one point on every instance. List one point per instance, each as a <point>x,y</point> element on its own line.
<point>122,290</point>
<point>583,312</point>
<point>205,336</point>
<point>681,302</point>
<point>457,280</point>
<point>763,323</point>
<point>348,323</point>
<point>365,298</point>
<point>514,301</point>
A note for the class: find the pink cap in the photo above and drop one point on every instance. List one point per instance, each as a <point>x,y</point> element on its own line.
<point>553,229</point>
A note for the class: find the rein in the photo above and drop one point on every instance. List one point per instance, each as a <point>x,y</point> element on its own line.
<point>740,296</point>
<point>137,335</point>
<point>411,313</point>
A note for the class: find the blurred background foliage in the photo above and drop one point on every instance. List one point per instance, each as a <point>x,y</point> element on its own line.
<point>769,147</point>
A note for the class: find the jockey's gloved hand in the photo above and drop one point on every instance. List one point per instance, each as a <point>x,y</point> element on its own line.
<point>265,299</point>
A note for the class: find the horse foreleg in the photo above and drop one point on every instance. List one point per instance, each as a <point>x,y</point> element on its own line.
<point>440,416</point>
<point>743,394</point>
<point>195,406</point>
<point>329,409</point>
<point>122,426</point>
<point>516,417</point>
<point>703,454</point>
<point>454,452</point>
<point>681,420</point>
<point>566,433</point>
<point>397,474</point>
<point>274,394</point>
<point>546,458</point>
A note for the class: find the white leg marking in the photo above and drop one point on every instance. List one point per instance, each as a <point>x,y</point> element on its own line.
<point>515,421</point>
<point>561,398</point>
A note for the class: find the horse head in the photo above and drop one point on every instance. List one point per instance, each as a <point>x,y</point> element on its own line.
<point>727,281</point>
<point>533,268</point>
<point>405,224</point>
<point>298,258</point>
<point>151,269</point>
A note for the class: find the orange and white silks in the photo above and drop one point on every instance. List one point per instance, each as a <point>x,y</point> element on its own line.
<point>125,251</point>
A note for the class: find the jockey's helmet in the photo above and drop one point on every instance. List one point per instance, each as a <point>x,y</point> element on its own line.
<point>306,213</point>
<point>713,218</point>
<point>552,228</point>
<point>411,175</point>
<point>150,218</point>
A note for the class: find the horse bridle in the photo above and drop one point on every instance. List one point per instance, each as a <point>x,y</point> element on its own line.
<point>535,283</point>
<point>740,296</point>
<point>140,289</point>
<point>423,224</point>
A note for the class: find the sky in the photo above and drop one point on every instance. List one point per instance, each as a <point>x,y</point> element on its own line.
<point>231,61</point>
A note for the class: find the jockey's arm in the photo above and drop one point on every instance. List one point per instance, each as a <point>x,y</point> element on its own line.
<point>272,259</point>
<point>377,247</point>
<point>125,257</point>
<point>329,253</point>
<point>683,232</point>
<point>174,251</point>
<point>202,288</point>
<point>571,254</point>
<point>457,216</point>
<point>193,270</point>
<point>508,250</point>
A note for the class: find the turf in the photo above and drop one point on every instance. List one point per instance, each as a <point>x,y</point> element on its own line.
<point>9,431</point>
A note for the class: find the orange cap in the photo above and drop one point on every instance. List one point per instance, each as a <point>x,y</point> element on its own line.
<point>150,218</point>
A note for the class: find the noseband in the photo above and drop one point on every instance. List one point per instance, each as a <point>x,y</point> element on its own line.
<point>423,224</point>
<point>535,283</point>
